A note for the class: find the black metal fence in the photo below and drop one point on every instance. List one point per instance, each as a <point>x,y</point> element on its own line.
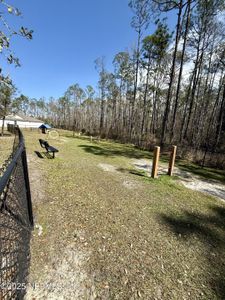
<point>16,221</point>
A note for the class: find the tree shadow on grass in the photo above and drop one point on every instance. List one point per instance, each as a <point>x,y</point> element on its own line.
<point>109,150</point>
<point>210,230</point>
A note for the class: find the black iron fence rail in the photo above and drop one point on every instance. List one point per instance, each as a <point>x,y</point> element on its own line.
<point>16,221</point>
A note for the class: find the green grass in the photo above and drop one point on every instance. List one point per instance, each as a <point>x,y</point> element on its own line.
<point>111,149</point>
<point>6,145</point>
<point>155,240</point>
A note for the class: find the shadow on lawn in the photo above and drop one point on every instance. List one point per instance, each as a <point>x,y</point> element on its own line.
<point>108,150</point>
<point>210,230</point>
<point>132,171</point>
<point>43,155</point>
<point>38,154</point>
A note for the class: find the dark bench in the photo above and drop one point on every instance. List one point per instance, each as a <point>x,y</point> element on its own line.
<point>45,144</point>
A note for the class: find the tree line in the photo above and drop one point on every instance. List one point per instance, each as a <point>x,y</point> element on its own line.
<point>168,89</point>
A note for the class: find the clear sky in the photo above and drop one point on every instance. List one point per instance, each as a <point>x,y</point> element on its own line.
<point>68,36</point>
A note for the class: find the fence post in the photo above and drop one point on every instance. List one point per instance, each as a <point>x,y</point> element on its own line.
<point>27,184</point>
<point>172,160</point>
<point>155,162</point>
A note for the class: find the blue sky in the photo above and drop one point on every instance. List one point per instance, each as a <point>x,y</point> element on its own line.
<point>68,36</point>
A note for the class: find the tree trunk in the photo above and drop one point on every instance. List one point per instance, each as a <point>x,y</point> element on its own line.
<point>197,70</point>
<point>181,69</point>
<point>145,100</point>
<point>172,75</point>
<point>221,118</point>
<point>135,84</point>
<point>3,125</point>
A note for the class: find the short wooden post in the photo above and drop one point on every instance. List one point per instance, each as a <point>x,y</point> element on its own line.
<point>172,160</point>
<point>155,162</point>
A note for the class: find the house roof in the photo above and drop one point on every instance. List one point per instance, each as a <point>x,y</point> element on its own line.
<point>45,126</point>
<point>22,118</point>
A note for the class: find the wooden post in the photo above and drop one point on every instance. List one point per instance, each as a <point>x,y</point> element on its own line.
<point>155,162</point>
<point>172,161</point>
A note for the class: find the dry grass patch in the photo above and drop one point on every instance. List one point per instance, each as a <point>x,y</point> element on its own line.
<point>6,145</point>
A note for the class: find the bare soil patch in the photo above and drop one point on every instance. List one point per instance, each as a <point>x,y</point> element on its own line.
<point>37,179</point>
<point>125,180</point>
<point>189,180</point>
<point>107,167</point>
<point>63,278</point>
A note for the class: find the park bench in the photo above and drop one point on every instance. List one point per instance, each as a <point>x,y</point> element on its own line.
<point>45,144</point>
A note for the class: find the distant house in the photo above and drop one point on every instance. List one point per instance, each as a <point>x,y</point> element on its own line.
<point>22,121</point>
<point>44,128</point>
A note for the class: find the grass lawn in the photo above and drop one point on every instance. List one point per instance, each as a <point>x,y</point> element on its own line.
<point>115,233</point>
<point>6,145</point>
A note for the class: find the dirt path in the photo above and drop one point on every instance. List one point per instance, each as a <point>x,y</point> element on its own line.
<point>189,180</point>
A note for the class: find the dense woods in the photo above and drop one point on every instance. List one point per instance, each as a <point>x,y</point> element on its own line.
<point>168,89</point>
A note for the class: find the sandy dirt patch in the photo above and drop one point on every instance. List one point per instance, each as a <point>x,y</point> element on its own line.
<point>108,168</point>
<point>126,182</point>
<point>63,278</point>
<point>189,180</point>
<point>37,182</point>
<point>195,182</point>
